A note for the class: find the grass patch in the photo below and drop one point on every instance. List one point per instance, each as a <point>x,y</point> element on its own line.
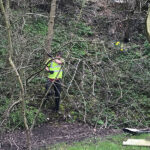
<point>110,143</point>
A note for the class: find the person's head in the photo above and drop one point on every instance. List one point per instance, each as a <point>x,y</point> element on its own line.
<point>58,54</point>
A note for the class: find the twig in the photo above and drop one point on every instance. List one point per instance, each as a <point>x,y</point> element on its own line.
<point>9,109</point>
<point>121,95</point>
<point>85,108</point>
<point>73,75</point>
<point>36,73</point>
<point>15,144</point>
<point>94,81</point>
<point>39,15</point>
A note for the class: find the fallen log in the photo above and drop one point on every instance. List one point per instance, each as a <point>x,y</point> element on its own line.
<point>136,131</point>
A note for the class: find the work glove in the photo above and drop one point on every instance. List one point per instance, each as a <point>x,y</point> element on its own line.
<point>51,72</point>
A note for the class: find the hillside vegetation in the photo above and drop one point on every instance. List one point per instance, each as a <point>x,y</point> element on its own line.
<point>105,83</point>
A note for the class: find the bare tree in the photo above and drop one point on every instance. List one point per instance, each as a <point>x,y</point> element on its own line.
<point>50,26</point>
<point>22,90</point>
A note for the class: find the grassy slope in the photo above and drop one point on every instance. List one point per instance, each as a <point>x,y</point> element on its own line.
<point>110,143</point>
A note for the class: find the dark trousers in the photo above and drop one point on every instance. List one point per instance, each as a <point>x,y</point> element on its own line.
<point>57,88</point>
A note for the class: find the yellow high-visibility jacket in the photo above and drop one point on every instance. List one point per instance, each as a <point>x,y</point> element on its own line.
<point>55,68</point>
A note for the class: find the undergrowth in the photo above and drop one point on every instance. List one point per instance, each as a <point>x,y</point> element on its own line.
<point>104,85</point>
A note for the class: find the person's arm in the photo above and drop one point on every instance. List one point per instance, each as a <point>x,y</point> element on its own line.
<point>48,64</point>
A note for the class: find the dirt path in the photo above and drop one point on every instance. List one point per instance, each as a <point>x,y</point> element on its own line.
<point>49,134</point>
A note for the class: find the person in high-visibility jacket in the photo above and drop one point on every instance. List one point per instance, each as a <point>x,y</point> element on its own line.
<point>54,69</point>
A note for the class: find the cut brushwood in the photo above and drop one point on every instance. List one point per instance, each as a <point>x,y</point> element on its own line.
<point>137,142</point>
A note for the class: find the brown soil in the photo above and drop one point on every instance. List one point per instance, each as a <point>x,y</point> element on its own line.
<point>49,134</point>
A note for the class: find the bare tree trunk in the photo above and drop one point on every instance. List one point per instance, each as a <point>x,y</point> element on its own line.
<point>6,17</point>
<point>148,25</point>
<point>7,5</point>
<point>50,26</point>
